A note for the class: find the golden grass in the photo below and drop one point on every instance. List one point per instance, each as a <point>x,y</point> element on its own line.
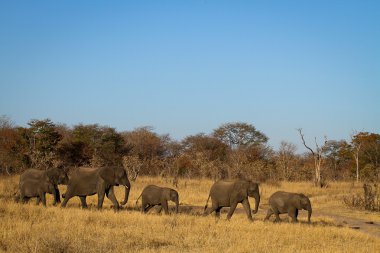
<point>31,228</point>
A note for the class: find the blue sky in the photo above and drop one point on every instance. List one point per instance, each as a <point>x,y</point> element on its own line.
<point>186,67</point>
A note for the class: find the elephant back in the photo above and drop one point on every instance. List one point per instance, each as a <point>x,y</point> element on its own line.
<point>152,188</point>
<point>33,174</point>
<point>83,174</point>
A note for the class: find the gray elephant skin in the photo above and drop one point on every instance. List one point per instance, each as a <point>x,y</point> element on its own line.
<point>153,195</point>
<point>230,193</point>
<point>89,181</point>
<point>36,183</point>
<point>290,203</point>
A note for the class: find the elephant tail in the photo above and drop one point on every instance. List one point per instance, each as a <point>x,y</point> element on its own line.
<point>137,200</point>
<point>207,202</point>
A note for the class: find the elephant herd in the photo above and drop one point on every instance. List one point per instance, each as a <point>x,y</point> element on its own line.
<point>84,182</point>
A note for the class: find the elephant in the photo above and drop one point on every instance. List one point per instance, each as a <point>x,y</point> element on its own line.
<point>153,195</point>
<point>36,183</point>
<point>89,181</point>
<point>225,193</point>
<point>33,188</point>
<point>288,202</point>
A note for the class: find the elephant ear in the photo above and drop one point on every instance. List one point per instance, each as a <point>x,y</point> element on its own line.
<point>53,175</point>
<point>299,201</point>
<point>108,175</point>
<point>304,200</point>
<point>240,191</point>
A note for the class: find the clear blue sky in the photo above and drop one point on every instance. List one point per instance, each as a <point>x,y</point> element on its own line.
<point>186,67</point>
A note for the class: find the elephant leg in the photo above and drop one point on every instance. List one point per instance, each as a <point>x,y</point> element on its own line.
<point>159,210</point>
<point>293,212</point>
<point>277,213</point>
<point>57,197</point>
<point>247,208</point>
<point>83,201</point>
<point>68,196</point>
<point>269,214</point>
<point>101,193</point>
<point>38,200</point>
<point>148,208</point>
<point>25,200</point>
<point>43,198</point>
<point>214,207</point>
<point>143,205</point>
<point>232,210</point>
<point>217,212</point>
<point>111,196</point>
<point>164,205</point>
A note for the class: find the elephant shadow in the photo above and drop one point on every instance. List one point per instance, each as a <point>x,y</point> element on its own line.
<point>314,223</point>
<point>154,209</point>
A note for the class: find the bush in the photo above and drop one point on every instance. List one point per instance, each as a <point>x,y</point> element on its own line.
<point>369,199</point>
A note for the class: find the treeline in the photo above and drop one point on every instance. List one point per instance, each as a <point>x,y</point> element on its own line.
<point>231,150</point>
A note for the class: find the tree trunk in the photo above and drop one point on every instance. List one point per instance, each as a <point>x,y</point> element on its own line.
<point>357,167</point>
<point>317,163</point>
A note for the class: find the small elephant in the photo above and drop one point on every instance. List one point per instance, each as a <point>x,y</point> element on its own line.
<point>153,195</point>
<point>288,202</point>
<point>89,181</point>
<point>32,188</point>
<point>36,183</point>
<point>230,193</point>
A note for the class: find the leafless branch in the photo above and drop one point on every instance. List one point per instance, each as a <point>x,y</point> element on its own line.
<point>303,141</point>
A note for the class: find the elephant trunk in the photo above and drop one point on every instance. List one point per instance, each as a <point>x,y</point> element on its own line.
<point>309,209</point>
<point>257,202</point>
<point>127,190</point>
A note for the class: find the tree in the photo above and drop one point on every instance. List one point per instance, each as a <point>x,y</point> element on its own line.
<point>91,145</point>
<point>109,149</point>
<point>206,154</point>
<point>149,148</point>
<point>13,147</point>
<point>318,157</point>
<point>286,155</point>
<point>367,145</point>
<point>239,135</point>
<point>338,157</point>
<point>356,144</point>
<point>43,139</point>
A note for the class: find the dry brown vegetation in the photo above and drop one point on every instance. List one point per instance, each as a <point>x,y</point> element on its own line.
<point>31,228</point>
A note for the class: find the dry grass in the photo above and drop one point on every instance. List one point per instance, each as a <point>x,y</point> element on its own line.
<point>31,228</point>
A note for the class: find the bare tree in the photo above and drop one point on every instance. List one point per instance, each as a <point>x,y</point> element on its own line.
<point>133,166</point>
<point>317,155</point>
<point>286,154</point>
<point>357,145</point>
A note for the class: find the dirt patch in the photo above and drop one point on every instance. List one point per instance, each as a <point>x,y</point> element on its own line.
<point>365,226</point>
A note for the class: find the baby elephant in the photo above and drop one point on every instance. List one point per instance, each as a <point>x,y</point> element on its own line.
<point>287,202</point>
<point>32,188</point>
<point>154,195</point>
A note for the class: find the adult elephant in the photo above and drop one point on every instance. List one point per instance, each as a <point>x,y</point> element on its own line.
<point>230,193</point>
<point>35,183</point>
<point>153,195</point>
<point>89,181</point>
<point>288,202</point>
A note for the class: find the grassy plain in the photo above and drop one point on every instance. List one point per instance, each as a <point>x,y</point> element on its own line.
<point>31,228</point>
